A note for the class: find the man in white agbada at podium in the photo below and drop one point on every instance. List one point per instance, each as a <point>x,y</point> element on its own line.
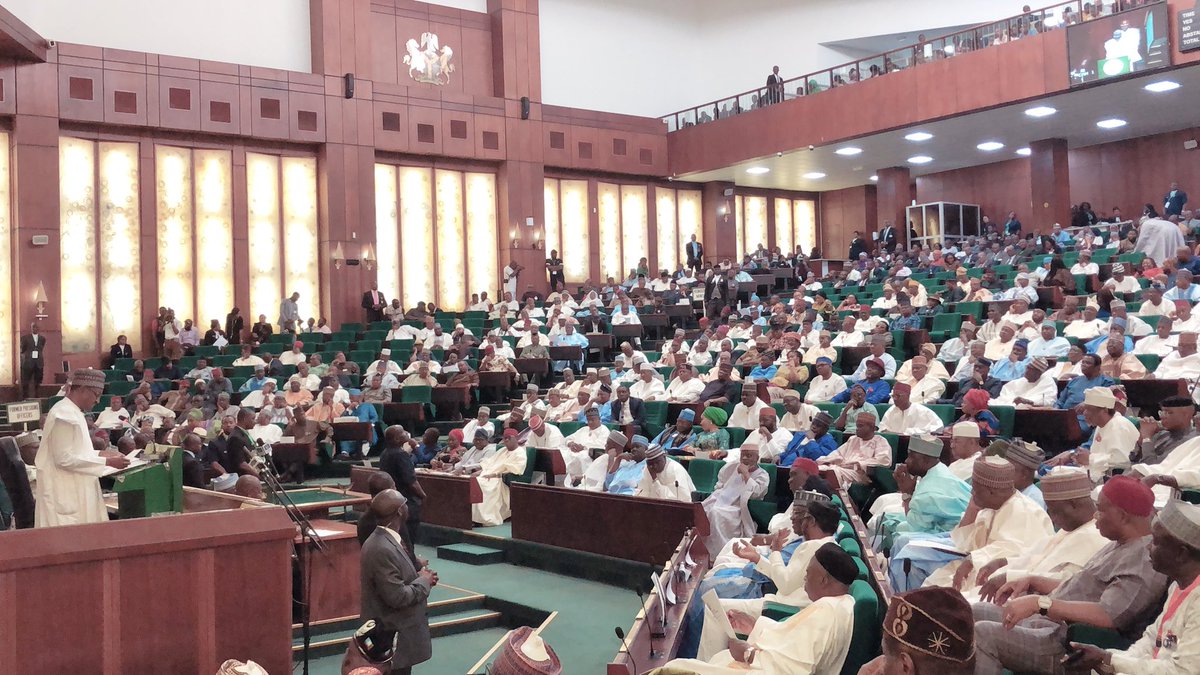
<point>68,492</point>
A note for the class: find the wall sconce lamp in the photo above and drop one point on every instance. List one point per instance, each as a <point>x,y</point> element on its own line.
<point>368,257</point>
<point>513,238</point>
<point>339,256</point>
<point>40,302</point>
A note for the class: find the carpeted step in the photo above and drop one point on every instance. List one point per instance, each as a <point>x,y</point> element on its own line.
<point>470,554</point>
<point>462,620</point>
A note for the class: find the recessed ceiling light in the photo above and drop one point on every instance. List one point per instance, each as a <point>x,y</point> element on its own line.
<point>758,170</point>
<point>875,178</point>
<point>849,151</point>
<point>813,175</point>
<point>1040,111</point>
<point>990,146</point>
<point>1161,86</point>
<point>918,136</point>
<point>920,159</point>
<point>1024,152</point>
<point>1111,123</point>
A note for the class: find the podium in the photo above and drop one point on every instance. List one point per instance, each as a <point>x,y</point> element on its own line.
<point>150,489</point>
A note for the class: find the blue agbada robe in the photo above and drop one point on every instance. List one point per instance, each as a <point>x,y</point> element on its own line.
<point>625,479</point>
<point>365,412</point>
<point>802,446</point>
<point>671,440</point>
<point>572,340</point>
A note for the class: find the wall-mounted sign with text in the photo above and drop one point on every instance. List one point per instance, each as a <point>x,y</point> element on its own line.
<point>1189,29</point>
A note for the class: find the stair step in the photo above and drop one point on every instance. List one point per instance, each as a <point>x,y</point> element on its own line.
<point>334,642</point>
<point>470,554</point>
<point>351,623</point>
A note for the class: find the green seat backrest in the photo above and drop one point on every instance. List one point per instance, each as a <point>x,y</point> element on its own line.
<point>1151,361</point>
<point>124,364</point>
<point>948,322</point>
<point>351,328</point>
<point>945,411</point>
<point>568,428</point>
<point>894,441</point>
<point>864,644</point>
<point>527,476</point>
<point>1005,414</point>
<point>416,394</point>
<point>703,473</point>
<point>362,355</point>
<point>655,412</point>
<point>737,436</point>
<point>120,387</point>
<point>972,309</point>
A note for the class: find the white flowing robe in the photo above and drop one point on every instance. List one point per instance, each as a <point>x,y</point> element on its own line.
<point>918,419</point>
<point>1111,445</point>
<point>673,484</point>
<point>727,507</point>
<point>1181,659</point>
<point>1058,556</point>
<point>814,641</point>
<point>1159,239</point>
<point>494,510</point>
<point>68,492</point>
<point>1043,393</point>
<point>578,462</point>
<point>1006,532</point>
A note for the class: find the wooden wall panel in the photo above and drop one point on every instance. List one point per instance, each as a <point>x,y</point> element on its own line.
<point>840,213</point>
<point>997,188</point>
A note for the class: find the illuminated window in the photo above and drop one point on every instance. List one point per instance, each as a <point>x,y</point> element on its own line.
<point>7,329</point>
<point>567,227</point>
<point>445,222</point>
<point>282,204</point>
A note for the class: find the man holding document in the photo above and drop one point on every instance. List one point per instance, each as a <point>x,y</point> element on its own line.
<point>68,492</point>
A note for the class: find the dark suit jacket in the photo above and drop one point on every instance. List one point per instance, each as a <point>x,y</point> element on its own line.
<point>636,410</point>
<point>694,256</point>
<point>29,344</point>
<point>715,289</point>
<point>593,325</point>
<point>887,238</point>
<point>120,352</point>
<point>193,471</point>
<point>1174,204</point>
<point>366,301</point>
<point>16,483</point>
<point>395,597</point>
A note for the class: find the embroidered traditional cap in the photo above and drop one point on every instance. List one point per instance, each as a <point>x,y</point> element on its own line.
<point>1028,455</point>
<point>1039,364</point>
<point>934,621</point>
<point>385,352</point>
<point>992,472</point>
<point>531,387</point>
<point>926,444</point>
<point>525,653</point>
<point>640,440</point>
<point>617,438</point>
<point>768,412</point>
<point>1182,521</point>
<point>88,377</point>
<point>535,422</point>
<point>1118,269</point>
<point>510,433</point>
<point>963,430</point>
<point>863,417</point>
<point>716,415</point>
<point>824,418</point>
<point>687,414</point>
<point>591,410</point>
<point>485,409</point>
<point>1063,483</point>
<point>791,393</point>
<point>807,466</point>
<point>902,387</point>
<point>654,452</point>
<point>805,497</point>
<point>1101,397</point>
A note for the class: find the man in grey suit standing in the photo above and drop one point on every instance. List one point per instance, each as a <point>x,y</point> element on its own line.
<point>394,594</point>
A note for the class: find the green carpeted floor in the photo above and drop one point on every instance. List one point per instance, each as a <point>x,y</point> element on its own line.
<point>581,634</point>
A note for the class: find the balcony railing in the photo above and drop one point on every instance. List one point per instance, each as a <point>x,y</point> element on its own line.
<point>985,35</point>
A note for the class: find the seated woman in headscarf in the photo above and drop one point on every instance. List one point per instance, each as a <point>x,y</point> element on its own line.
<point>452,453</point>
<point>975,409</point>
<point>712,437</point>
<point>791,373</point>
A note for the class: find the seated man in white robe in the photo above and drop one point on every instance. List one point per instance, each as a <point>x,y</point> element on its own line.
<point>1035,389</point>
<point>907,418</point>
<point>542,434</point>
<point>852,462</point>
<point>1113,437</point>
<point>826,385</point>
<point>664,478</point>
<point>1183,364</point>
<point>770,439</point>
<point>686,387</point>
<point>576,449</point>
<point>797,415</point>
<point>385,357</point>
<point>745,412</point>
<point>114,416</point>
<point>966,446</point>
<point>813,641</point>
<point>510,459</point>
<point>1161,344</point>
<point>264,432</point>
<point>727,507</point>
<point>999,522</point>
<point>1068,495</point>
<point>1087,327</point>
<point>647,387</point>
<point>814,519</point>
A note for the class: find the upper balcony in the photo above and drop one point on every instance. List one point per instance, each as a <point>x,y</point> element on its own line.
<point>1015,60</point>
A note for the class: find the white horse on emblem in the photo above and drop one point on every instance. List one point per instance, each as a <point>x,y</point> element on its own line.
<point>415,60</point>
<point>428,61</point>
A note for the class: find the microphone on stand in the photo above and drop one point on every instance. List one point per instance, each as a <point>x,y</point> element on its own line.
<point>621,636</point>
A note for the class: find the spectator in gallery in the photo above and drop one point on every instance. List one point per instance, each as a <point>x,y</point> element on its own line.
<point>774,86</point>
<point>234,325</point>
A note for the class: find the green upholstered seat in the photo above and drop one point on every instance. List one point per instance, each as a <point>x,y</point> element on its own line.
<point>703,473</point>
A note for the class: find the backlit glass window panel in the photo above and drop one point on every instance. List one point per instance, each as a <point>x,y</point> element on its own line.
<point>550,198</point>
<point>301,268</point>
<point>609,207</point>
<point>633,225</point>
<point>451,270</point>
<point>783,224</point>
<point>262,190</point>
<point>482,254</point>
<point>120,245</point>
<point>665,213</point>
<point>175,226</point>
<point>805,219</point>
<point>738,224</point>
<point>387,228</point>
<point>416,235</point>
<point>691,216</point>
<point>77,229</point>
<point>214,236</point>
<point>7,348</point>
<point>576,232</point>
<point>755,219</point>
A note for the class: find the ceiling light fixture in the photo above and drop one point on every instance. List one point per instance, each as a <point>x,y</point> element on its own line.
<point>757,170</point>
<point>990,146</point>
<point>814,175</point>
<point>875,178</point>
<point>849,151</point>
<point>1111,123</point>
<point>1040,111</point>
<point>1161,86</point>
<point>920,159</point>
<point>918,136</point>
<point>1024,152</point>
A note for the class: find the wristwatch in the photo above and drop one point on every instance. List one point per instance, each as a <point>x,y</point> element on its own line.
<point>1044,604</point>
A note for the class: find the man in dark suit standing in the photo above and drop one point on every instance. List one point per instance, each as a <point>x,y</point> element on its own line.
<point>628,410</point>
<point>193,470</point>
<point>775,86</point>
<point>394,594</point>
<point>858,246</point>
<point>1174,201</point>
<point>33,360</point>
<point>695,254</point>
<point>374,302</point>
<point>716,293</point>
<point>887,237</point>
